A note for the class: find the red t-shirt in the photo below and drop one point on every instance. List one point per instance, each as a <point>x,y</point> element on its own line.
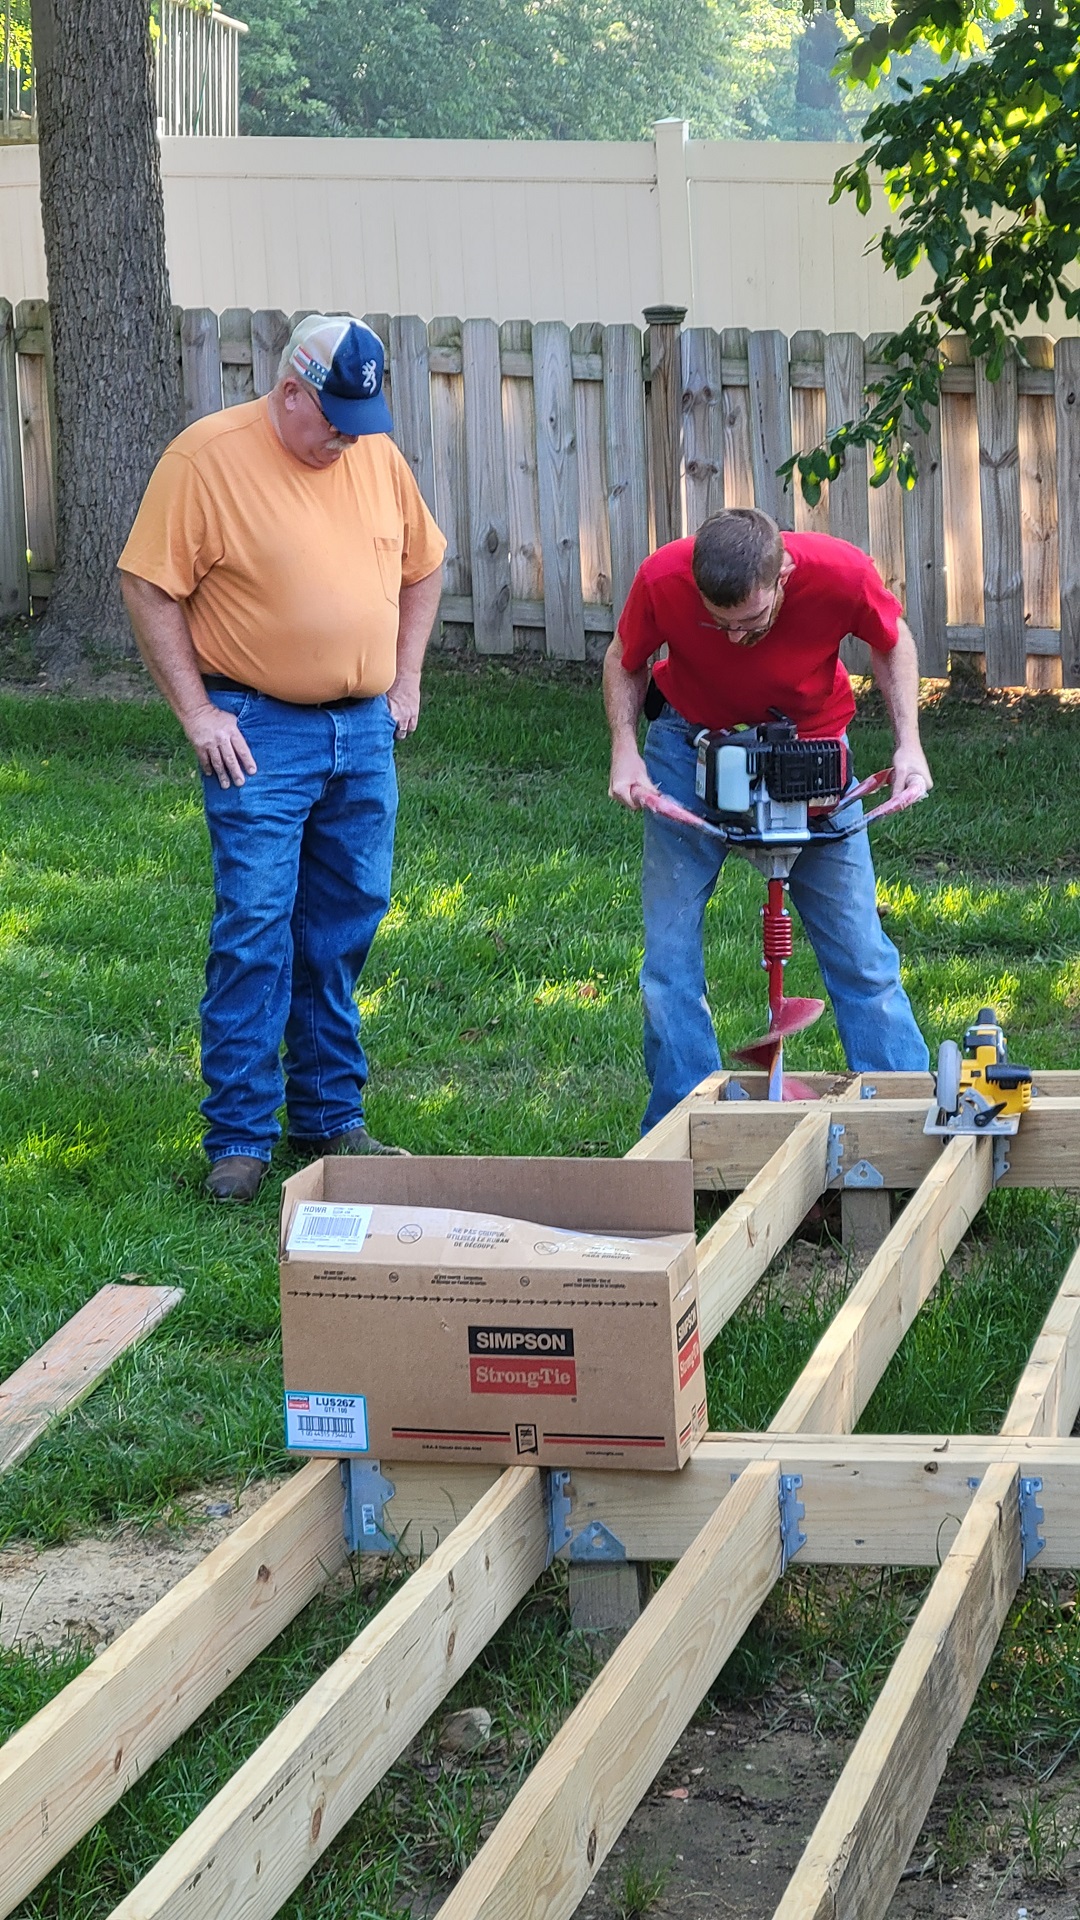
<point>834,590</point>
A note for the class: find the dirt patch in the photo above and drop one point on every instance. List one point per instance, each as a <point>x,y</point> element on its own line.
<point>87,1592</point>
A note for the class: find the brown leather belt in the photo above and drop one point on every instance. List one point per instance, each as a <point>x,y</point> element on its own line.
<point>220,683</point>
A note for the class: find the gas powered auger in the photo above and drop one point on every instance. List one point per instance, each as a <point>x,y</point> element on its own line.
<point>761,787</point>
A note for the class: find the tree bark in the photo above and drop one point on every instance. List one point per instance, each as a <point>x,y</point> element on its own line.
<point>117,388</point>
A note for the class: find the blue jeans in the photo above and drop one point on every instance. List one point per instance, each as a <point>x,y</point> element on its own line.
<point>833,887</point>
<point>302,854</point>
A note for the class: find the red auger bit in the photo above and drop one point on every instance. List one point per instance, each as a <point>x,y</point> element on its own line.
<point>785,1016</point>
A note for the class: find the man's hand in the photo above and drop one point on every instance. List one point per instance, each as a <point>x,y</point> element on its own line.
<point>220,747</point>
<point>403,701</point>
<point>911,774</point>
<point>629,775</point>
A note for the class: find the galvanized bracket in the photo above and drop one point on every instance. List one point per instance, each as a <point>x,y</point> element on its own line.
<point>1031,1519</point>
<point>734,1090</point>
<point>557,1494</point>
<point>863,1174</point>
<point>792,1511</point>
<point>867,1093</point>
<point>835,1157</point>
<point>596,1544</point>
<point>366,1494</point>
<point>1001,1156</point>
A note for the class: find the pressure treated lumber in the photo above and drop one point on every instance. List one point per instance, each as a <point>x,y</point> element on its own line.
<point>64,1370</point>
<point>733,1254</point>
<point>550,1843</point>
<point>876,1810</point>
<point>260,1835</point>
<point>68,1765</point>
<point>827,1397</point>
<point>670,1138</point>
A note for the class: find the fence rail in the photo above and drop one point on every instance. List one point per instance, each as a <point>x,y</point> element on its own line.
<point>554,457</point>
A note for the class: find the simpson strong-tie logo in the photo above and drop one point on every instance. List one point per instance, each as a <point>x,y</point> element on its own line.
<point>522,1360</point>
<point>689,1344</point>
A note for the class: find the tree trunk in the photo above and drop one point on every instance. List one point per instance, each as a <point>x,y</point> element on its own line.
<point>116,373</point>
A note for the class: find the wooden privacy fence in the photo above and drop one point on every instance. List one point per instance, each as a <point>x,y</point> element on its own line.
<point>555,457</point>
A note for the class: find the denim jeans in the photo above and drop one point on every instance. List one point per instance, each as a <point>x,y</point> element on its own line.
<point>832,885</point>
<point>302,854</point>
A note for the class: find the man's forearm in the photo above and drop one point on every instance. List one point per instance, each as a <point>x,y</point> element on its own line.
<point>417,609</point>
<point>897,675</point>
<point>624,694</point>
<point>163,638</point>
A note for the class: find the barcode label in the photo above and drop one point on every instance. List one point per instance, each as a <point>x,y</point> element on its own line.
<point>326,1422</point>
<point>326,1226</point>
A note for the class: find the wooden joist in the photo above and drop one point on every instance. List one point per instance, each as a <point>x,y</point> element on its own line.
<point>259,1836</point>
<point>64,1370</point>
<point>68,1765</point>
<point>733,1254</point>
<point>873,1817</point>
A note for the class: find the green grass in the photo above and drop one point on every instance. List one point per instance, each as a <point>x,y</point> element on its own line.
<point>501,1015</point>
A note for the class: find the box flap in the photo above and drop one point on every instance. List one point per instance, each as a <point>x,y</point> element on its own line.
<point>305,1185</point>
<point>615,1196</point>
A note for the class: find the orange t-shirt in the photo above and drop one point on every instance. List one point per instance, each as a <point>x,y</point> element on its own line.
<point>289,574</point>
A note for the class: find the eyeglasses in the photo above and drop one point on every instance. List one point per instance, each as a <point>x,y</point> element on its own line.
<point>313,396</point>
<point>748,634</point>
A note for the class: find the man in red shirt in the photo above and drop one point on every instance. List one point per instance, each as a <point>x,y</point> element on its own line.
<point>752,619</point>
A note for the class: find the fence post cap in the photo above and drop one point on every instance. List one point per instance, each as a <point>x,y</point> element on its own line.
<point>664,316</point>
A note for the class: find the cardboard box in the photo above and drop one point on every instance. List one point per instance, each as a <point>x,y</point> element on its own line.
<point>434,1338</point>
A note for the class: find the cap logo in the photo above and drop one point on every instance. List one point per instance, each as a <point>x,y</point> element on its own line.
<point>369,376</point>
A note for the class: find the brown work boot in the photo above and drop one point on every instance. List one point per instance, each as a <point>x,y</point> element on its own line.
<point>356,1140</point>
<point>236,1176</point>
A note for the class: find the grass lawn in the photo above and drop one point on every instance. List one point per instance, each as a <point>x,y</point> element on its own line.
<point>501,1015</point>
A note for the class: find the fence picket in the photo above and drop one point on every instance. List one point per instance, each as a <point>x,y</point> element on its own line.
<point>32,354</point>
<point>523,498</point>
<point>451,490</point>
<point>808,425</point>
<point>586,344</point>
<point>200,363</point>
<point>1067,418</point>
<point>997,412</point>
<point>411,382</point>
<point>924,547</point>
<point>489,516</point>
<point>770,423</point>
<point>703,424</point>
<point>234,340</point>
<point>14,579</point>
<point>738,459</point>
<point>1038,494</point>
<point>627,499</point>
<point>845,382</point>
<point>269,337</point>
<point>557,470</point>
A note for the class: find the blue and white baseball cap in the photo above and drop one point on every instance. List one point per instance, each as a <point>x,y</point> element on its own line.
<point>344,362</point>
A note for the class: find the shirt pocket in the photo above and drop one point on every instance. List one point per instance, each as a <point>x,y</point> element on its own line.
<point>388,554</point>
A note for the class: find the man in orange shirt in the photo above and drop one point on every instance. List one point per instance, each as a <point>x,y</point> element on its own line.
<point>282,578</point>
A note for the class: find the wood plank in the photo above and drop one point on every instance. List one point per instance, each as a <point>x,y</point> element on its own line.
<point>734,1253</point>
<point>738,461</point>
<point>234,342</point>
<point>489,517</point>
<point>200,363</point>
<point>923,508</point>
<point>865,1219</point>
<point>663,355</point>
<point>551,1842</point>
<point>557,475</point>
<point>874,1815</point>
<point>67,1766</point>
<point>451,482</point>
<point>38,432</point>
<point>592,470</point>
<point>624,435</point>
<point>808,429</point>
<point>702,425</point>
<point>1067,419</point>
<point>335,1745</point>
<point>770,423</point>
<point>845,382</point>
<point>670,1138</point>
<point>412,400</point>
<point>607,1599</point>
<point>64,1370</point>
<point>851,1356</point>
<point>269,338</point>
<point>14,580</point>
<point>523,497</point>
<point>525,613</point>
<point>960,483</point>
<point>1038,494</point>
<point>997,411</point>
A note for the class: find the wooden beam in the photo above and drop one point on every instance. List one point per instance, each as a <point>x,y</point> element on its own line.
<point>851,1356</point>
<point>550,1843</point>
<point>670,1138</point>
<point>64,1370</point>
<point>874,1815</point>
<point>326,1755</point>
<point>733,1254</point>
<point>730,1143</point>
<point>67,1766</point>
